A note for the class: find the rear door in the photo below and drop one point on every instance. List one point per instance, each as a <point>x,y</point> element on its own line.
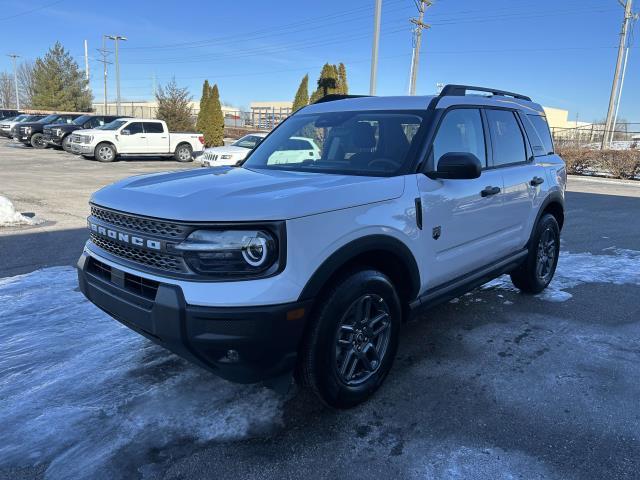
<point>157,138</point>
<point>461,225</point>
<point>512,155</point>
<point>135,141</point>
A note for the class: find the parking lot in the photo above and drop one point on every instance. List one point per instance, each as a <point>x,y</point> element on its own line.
<point>492,385</point>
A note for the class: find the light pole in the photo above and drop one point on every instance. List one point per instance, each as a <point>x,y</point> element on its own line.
<point>117,38</point>
<point>15,78</point>
<point>374,50</point>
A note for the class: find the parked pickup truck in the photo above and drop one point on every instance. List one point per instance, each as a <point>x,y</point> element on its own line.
<point>137,137</point>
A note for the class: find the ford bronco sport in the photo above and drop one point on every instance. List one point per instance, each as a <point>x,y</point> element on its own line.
<point>310,266</point>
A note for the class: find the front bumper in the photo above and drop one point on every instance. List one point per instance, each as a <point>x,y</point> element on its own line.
<point>240,344</point>
<point>81,149</point>
<point>52,139</point>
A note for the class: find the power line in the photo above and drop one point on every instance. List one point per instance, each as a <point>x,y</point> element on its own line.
<point>36,9</point>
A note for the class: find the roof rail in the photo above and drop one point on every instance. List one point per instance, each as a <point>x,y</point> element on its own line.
<point>461,90</point>
<point>337,96</point>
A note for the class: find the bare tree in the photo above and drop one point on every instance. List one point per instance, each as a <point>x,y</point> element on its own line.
<point>7,91</point>
<point>26,83</point>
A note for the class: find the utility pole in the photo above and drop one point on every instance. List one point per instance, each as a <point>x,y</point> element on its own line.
<point>86,60</point>
<point>374,51</point>
<point>104,52</point>
<point>15,78</point>
<point>422,5</point>
<point>117,38</point>
<point>608,134</point>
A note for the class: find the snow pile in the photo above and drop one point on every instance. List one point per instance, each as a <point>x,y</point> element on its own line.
<point>89,398</point>
<point>623,267</point>
<point>9,216</point>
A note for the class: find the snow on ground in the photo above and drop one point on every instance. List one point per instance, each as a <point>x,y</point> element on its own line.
<point>85,395</point>
<point>9,216</point>
<point>88,398</point>
<point>623,267</point>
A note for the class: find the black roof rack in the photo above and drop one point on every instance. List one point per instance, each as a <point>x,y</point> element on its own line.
<point>461,91</point>
<point>336,96</point>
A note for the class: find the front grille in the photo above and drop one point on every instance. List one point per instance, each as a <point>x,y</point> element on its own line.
<point>144,225</point>
<point>157,260</point>
<point>133,283</point>
<point>210,156</point>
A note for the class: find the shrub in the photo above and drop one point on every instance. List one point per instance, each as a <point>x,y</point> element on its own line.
<point>578,160</point>
<point>620,163</point>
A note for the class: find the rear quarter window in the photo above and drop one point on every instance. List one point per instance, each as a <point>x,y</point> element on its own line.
<point>539,135</point>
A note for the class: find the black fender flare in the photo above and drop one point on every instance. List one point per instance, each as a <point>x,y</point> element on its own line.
<point>553,197</point>
<point>370,243</point>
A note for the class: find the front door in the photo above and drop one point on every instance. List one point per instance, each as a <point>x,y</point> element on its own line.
<point>462,219</point>
<point>135,141</point>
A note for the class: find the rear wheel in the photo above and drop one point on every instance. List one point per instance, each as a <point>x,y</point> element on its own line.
<point>537,271</point>
<point>37,141</point>
<point>184,153</point>
<point>352,339</point>
<point>105,152</point>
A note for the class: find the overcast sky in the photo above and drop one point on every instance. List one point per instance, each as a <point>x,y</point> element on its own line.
<point>560,52</point>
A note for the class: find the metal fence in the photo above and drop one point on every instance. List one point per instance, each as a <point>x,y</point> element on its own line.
<point>625,136</point>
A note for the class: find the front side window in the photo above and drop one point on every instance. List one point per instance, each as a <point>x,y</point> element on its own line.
<point>153,127</point>
<point>369,143</point>
<point>461,130</point>
<point>248,141</point>
<point>134,128</point>
<point>506,138</point>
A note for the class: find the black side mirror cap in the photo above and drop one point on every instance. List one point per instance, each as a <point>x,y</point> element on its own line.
<point>457,166</point>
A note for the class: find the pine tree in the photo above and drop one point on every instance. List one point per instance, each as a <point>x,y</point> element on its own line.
<point>58,83</point>
<point>302,95</point>
<point>342,79</point>
<point>214,130</point>
<point>174,107</point>
<point>200,123</point>
<point>327,82</point>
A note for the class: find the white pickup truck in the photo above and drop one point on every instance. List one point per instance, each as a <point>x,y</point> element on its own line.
<point>137,137</point>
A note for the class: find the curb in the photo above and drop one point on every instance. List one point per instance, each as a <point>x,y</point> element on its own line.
<point>609,181</point>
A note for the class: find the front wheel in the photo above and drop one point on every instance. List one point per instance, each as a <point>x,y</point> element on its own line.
<point>66,144</point>
<point>352,339</point>
<point>37,141</point>
<point>105,153</point>
<point>538,268</point>
<point>184,153</point>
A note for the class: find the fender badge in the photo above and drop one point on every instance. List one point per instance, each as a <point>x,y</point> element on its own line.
<point>436,232</point>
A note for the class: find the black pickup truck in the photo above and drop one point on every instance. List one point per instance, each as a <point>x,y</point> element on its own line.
<point>59,134</point>
<point>31,133</point>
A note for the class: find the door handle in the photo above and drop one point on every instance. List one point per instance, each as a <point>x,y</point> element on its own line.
<point>535,181</point>
<point>488,191</point>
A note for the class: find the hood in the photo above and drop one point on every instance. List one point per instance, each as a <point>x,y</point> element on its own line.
<point>62,126</point>
<point>31,124</point>
<point>238,194</point>
<point>92,131</point>
<point>229,149</point>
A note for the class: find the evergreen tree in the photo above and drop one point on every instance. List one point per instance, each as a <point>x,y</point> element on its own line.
<point>327,83</point>
<point>202,113</point>
<point>174,107</point>
<point>58,83</point>
<point>302,95</point>
<point>343,86</point>
<point>214,129</point>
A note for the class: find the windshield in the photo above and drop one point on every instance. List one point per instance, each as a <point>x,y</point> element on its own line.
<point>49,118</point>
<point>248,141</point>
<point>31,118</point>
<point>82,119</point>
<point>116,124</point>
<point>369,143</point>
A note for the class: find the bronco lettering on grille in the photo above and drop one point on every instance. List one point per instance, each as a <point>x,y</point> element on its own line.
<point>124,237</point>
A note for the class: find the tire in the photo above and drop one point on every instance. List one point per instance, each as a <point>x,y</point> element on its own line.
<point>105,152</point>
<point>37,141</point>
<point>338,356</point>
<point>66,144</point>
<point>183,153</point>
<point>538,268</point>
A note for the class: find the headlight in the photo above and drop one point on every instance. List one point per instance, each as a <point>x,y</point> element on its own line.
<point>231,252</point>
<point>226,157</point>
<point>27,130</point>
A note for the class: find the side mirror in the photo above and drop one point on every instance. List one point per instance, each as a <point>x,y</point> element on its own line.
<point>458,166</point>
<point>125,132</point>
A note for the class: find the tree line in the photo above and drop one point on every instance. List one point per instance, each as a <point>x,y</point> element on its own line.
<point>332,81</point>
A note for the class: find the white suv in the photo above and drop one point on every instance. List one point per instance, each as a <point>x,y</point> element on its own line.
<point>312,266</point>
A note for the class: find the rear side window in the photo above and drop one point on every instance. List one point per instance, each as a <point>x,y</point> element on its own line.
<point>541,129</point>
<point>460,131</point>
<point>153,127</point>
<point>506,138</point>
